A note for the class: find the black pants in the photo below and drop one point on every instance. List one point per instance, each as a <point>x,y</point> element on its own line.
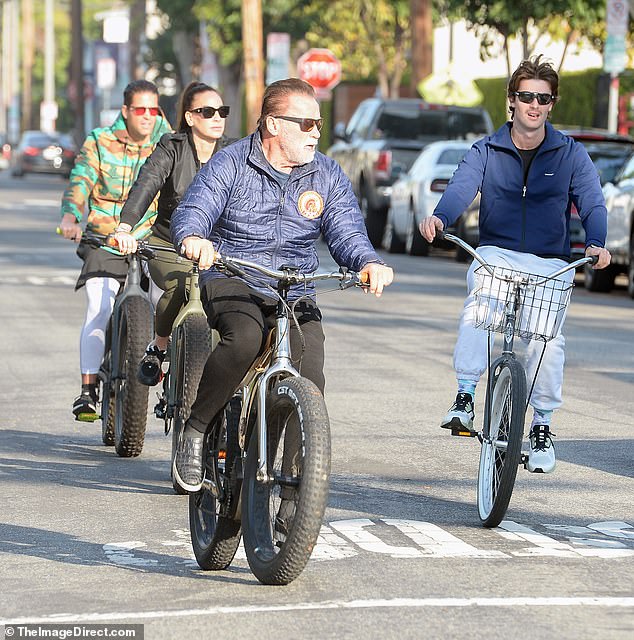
<point>243,318</point>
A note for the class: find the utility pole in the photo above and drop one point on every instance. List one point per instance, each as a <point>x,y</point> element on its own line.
<point>253,60</point>
<point>28,56</point>
<point>422,34</point>
<point>77,70</point>
<point>48,109</point>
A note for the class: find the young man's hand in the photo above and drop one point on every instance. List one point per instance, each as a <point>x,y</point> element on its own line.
<point>70,228</point>
<point>604,256</point>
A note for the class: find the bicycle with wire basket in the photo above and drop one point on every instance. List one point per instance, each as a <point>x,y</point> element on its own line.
<point>267,458</point>
<point>515,304</point>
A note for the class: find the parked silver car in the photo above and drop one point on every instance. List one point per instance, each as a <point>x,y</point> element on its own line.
<point>416,193</point>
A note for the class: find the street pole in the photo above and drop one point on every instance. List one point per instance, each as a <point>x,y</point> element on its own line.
<point>77,71</point>
<point>14,105</point>
<point>28,55</point>
<point>47,120</point>
<point>253,60</point>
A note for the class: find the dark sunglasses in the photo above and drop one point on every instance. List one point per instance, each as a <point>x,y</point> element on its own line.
<point>305,124</point>
<point>528,96</point>
<point>140,111</point>
<point>210,112</point>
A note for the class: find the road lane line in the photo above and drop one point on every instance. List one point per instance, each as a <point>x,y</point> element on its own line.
<point>415,603</point>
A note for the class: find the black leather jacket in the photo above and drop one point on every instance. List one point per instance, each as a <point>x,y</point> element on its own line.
<point>170,170</point>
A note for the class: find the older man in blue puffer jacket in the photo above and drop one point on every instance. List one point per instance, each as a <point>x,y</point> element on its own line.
<point>266,198</point>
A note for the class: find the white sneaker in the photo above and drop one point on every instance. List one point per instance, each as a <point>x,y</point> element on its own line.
<point>461,414</point>
<point>541,455</point>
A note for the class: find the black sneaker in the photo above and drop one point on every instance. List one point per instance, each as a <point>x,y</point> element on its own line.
<point>150,372</point>
<point>187,468</point>
<point>85,407</point>
<point>461,414</point>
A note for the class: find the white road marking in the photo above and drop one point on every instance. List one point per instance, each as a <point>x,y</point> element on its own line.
<point>122,553</point>
<point>395,603</point>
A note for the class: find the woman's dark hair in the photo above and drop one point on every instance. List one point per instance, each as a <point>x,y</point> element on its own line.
<point>138,86</point>
<point>185,102</point>
<point>534,69</point>
<point>276,96</point>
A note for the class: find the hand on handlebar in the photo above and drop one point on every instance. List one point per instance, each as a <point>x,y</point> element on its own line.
<point>200,249</point>
<point>379,276</point>
<point>603,256</point>
<point>70,228</point>
<point>429,226</point>
<point>126,242</point>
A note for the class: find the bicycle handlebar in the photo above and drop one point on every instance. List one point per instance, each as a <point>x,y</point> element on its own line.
<point>99,240</point>
<point>441,235</point>
<point>290,274</point>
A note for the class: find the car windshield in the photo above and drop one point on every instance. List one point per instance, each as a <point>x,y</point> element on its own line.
<point>428,124</point>
<point>40,140</point>
<point>451,156</point>
<point>608,157</point>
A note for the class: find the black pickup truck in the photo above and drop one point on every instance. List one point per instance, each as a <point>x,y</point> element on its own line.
<point>384,137</point>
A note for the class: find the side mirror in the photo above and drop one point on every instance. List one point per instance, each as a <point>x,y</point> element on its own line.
<point>339,132</point>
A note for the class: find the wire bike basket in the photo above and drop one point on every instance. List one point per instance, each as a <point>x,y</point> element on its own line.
<point>542,302</point>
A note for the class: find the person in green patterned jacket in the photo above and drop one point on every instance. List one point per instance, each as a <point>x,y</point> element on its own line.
<point>106,168</point>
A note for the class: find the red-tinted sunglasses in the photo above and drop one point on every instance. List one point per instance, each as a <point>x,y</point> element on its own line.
<point>140,111</point>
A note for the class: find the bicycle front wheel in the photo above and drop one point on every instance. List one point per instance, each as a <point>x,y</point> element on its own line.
<point>193,344</point>
<point>130,396</point>
<point>214,523</point>
<point>502,440</point>
<point>282,517</point>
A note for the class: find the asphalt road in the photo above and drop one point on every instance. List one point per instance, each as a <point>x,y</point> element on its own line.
<point>88,537</point>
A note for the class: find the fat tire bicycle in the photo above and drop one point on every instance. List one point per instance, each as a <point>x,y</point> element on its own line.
<point>531,307</point>
<point>267,458</point>
<point>124,399</point>
<point>191,341</point>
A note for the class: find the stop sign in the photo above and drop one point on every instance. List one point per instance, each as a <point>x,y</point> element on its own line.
<point>320,68</point>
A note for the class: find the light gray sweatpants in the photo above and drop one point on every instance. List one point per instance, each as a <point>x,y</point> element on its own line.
<point>470,353</point>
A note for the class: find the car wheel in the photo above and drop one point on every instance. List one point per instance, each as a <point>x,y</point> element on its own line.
<point>374,219</point>
<point>391,241</point>
<point>630,270</point>
<point>598,280</point>
<point>415,244</point>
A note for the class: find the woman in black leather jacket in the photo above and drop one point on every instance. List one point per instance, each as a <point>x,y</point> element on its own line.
<point>170,170</point>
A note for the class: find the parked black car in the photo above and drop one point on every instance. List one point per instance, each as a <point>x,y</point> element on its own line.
<point>384,137</point>
<point>43,152</point>
<point>609,152</point>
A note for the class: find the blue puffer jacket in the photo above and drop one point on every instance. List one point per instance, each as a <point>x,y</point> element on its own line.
<point>532,216</point>
<point>236,202</point>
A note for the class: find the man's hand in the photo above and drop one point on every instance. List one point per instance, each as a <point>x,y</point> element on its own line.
<point>604,256</point>
<point>70,228</point>
<point>379,276</point>
<point>126,242</point>
<point>429,226</point>
<point>200,249</point>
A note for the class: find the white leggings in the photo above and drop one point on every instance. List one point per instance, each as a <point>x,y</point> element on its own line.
<point>470,353</point>
<point>100,295</point>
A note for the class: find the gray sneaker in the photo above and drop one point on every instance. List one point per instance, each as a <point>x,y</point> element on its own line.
<point>541,455</point>
<point>461,414</point>
<point>187,468</point>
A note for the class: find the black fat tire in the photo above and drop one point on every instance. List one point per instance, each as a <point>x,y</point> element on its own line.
<point>107,404</point>
<point>193,344</point>
<point>215,538</point>
<point>297,416</point>
<point>130,396</point>
<point>498,467</point>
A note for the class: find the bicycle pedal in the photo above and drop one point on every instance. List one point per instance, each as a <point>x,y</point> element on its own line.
<point>464,433</point>
<point>524,459</point>
<point>87,417</point>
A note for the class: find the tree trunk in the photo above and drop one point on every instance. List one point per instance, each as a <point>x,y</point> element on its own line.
<point>422,34</point>
<point>183,43</point>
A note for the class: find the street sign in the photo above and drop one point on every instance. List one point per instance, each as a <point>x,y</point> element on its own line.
<point>321,69</point>
<point>278,53</point>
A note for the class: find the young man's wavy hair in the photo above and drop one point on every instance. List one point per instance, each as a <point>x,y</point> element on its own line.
<point>276,97</point>
<point>533,69</point>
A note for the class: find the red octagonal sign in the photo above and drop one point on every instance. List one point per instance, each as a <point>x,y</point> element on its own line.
<point>320,68</point>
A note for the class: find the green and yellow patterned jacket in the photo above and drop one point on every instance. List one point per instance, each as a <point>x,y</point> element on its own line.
<point>106,168</point>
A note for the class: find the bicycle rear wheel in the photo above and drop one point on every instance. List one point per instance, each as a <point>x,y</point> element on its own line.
<point>107,405</point>
<point>193,344</point>
<point>281,518</point>
<point>214,525</point>
<point>130,396</point>
<point>502,440</point>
